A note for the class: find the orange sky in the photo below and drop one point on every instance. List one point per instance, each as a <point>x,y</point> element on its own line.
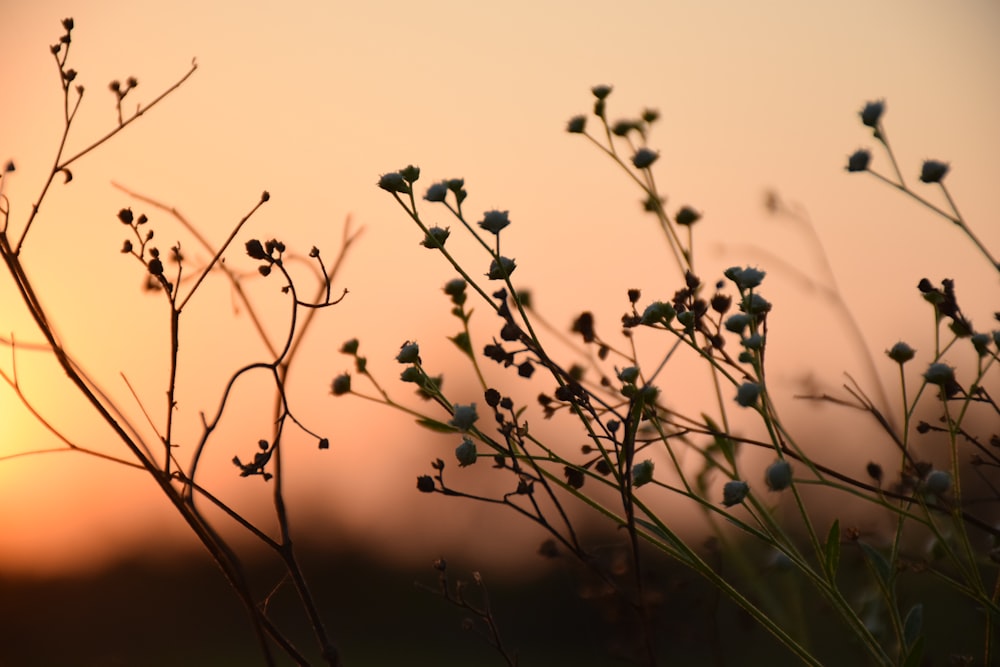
<point>313,100</point>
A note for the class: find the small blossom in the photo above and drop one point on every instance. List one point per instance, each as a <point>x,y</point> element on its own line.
<point>872,113</point>
<point>350,347</point>
<point>622,127</point>
<point>412,374</point>
<point>628,375</point>
<point>435,237</point>
<point>67,23</point>
<point>437,192</point>
<point>747,278</point>
<point>425,484</point>
<point>410,174</point>
<point>255,249</point>
<point>778,475</point>
<point>342,384</point>
<point>601,91</point>
<point>901,352</point>
<point>981,341</point>
<point>658,312</point>
<point>734,492</point>
<point>494,221</point>
<point>125,215</point>
<point>455,286</point>
<point>939,374</point>
<point>858,160</point>
<point>576,125</point>
<point>642,473</point>
<point>650,115</point>
<point>501,268</point>
<point>747,394</point>
<point>644,158</point>
<point>409,353</point>
<point>687,216</point>
<point>466,453</point>
<point>464,416</point>
<point>755,304</point>
<point>393,182</point>
<point>933,171</point>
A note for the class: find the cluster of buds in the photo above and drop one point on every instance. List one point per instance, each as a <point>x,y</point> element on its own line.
<point>931,171</point>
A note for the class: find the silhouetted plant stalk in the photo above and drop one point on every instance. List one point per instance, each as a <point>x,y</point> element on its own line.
<point>165,273</point>
<point>628,425</point>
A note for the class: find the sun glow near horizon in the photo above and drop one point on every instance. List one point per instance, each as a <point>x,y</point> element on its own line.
<point>312,101</point>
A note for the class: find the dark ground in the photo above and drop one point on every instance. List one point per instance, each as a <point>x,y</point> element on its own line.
<point>146,615</point>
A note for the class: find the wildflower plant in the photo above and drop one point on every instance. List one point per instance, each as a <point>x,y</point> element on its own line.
<point>634,466</point>
<point>636,443</point>
<point>176,280</point>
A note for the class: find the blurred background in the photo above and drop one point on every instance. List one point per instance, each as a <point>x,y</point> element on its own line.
<point>312,101</point>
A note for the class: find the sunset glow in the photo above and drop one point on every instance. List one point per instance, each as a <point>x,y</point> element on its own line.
<point>312,101</point>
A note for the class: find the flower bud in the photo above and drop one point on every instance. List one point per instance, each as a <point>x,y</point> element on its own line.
<point>576,125</point>
<point>629,375</point>
<point>734,492</point>
<point>747,394</point>
<point>858,160</point>
<point>494,221</point>
<point>501,268</point>
<point>466,453</point>
<point>939,374</point>
<point>410,174</point>
<point>409,353</point>
<point>938,482</point>
<point>658,312</point>
<point>745,279</point>
<point>642,473</point>
<point>435,237</point>
<point>755,304</point>
<point>644,158</point>
<point>778,475</point>
<point>393,182</point>
<point>425,484</point>
<point>412,374</point>
<point>437,192</point>
<point>933,171</point>
<point>872,112</point>
<point>350,347</point>
<point>601,91</point>
<point>737,322</point>
<point>901,352</point>
<point>981,341</point>
<point>463,417</point>
<point>687,216</point>
<point>342,384</point>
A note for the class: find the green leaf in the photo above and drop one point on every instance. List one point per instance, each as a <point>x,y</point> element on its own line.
<point>915,656</point>
<point>436,426</point>
<point>833,550</point>
<point>461,341</point>
<point>878,564</point>
<point>669,539</point>
<point>723,442</point>
<point>913,625</point>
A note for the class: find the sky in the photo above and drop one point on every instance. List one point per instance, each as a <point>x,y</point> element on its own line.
<point>312,101</point>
